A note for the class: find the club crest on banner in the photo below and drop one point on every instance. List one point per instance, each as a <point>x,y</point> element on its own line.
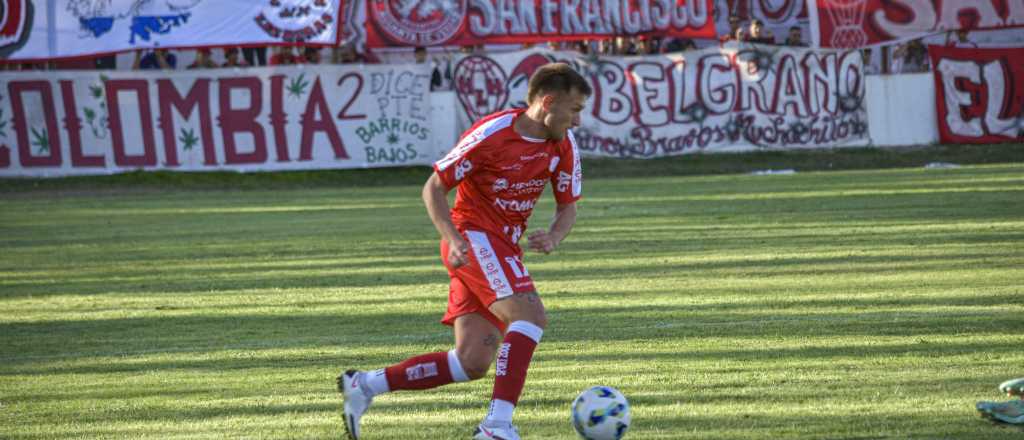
<point>15,23</point>
<point>296,20</point>
<point>480,84</point>
<point>419,22</point>
<point>97,17</point>
<point>483,87</point>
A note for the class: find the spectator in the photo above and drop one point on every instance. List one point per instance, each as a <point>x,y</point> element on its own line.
<point>756,33</point>
<point>158,59</point>
<point>203,60</point>
<point>624,46</point>
<point>310,55</point>
<point>282,56</point>
<point>870,68</point>
<point>962,39</point>
<point>734,29</point>
<point>679,45</point>
<point>420,54</point>
<point>911,57</point>
<point>583,47</point>
<point>554,45</point>
<point>255,56</point>
<point>347,54</point>
<point>231,58</point>
<point>644,46</point>
<point>795,37</point>
<point>105,62</point>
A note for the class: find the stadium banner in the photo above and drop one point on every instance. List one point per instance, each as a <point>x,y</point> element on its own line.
<point>39,30</point>
<point>739,97</point>
<point>65,123</point>
<point>979,94</point>
<point>778,16</point>
<point>857,23</point>
<point>474,22</point>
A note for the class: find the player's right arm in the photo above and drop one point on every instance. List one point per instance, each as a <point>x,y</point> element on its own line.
<point>435,197</point>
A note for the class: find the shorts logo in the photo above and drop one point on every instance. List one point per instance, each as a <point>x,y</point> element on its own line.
<point>517,266</point>
<point>500,185</point>
<point>462,168</point>
<point>489,264</point>
<point>418,22</point>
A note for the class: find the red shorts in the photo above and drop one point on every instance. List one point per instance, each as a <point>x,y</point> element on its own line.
<point>495,270</point>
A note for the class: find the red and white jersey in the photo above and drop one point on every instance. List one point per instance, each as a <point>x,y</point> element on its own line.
<point>500,174</point>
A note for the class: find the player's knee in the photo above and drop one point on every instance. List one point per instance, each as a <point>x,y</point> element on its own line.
<point>539,318</point>
<point>476,367</point>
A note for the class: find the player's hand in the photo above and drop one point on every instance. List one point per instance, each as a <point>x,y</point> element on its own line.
<point>458,252</point>
<point>541,241</point>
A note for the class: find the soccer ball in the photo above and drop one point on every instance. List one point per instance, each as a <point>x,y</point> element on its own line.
<point>600,413</point>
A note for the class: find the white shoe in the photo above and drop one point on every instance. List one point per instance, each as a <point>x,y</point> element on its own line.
<point>500,432</point>
<point>357,401</point>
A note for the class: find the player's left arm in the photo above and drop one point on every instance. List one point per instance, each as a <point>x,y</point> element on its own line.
<point>561,224</point>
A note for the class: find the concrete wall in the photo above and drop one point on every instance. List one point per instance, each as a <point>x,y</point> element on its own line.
<point>901,110</point>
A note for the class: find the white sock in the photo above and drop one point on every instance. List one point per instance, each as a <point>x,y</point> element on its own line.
<point>376,382</point>
<point>455,367</point>
<point>500,412</point>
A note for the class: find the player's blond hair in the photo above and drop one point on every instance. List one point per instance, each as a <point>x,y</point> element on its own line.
<point>556,78</point>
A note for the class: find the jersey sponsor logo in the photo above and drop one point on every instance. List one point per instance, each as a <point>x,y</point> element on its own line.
<point>532,186</point>
<point>462,168</point>
<point>515,205</point>
<point>539,155</point>
<point>564,180</point>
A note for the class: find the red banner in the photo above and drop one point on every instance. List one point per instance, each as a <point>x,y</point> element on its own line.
<point>465,22</point>
<point>856,23</point>
<point>979,94</point>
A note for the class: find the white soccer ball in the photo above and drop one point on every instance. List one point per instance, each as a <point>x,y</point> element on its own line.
<point>600,413</point>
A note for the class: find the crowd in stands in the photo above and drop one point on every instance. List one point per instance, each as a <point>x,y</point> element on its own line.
<point>906,57</point>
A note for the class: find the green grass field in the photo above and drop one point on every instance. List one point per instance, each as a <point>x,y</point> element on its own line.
<point>838,305</point>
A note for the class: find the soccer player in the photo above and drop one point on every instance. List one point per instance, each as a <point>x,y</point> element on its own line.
<point>499,168</point>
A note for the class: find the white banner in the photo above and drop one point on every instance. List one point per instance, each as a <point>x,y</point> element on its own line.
<point>737,98</point>
<point>33,30</point>
<point>286,118</point>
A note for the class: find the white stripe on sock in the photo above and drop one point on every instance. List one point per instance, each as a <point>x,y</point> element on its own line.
<point>458,374</point>
<point>527,328</point>
<point>376,382</point>
<point>500,412</point>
